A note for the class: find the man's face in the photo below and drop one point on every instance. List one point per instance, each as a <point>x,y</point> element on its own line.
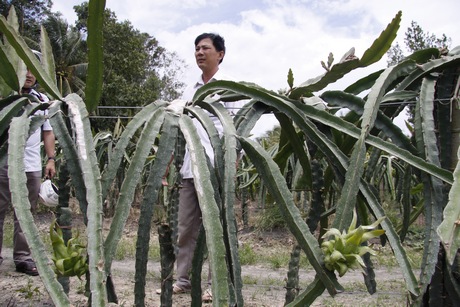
<point>206,55</point>
<point>30,80</point>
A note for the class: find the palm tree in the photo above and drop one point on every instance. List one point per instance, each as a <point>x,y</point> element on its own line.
<point>69,55</point>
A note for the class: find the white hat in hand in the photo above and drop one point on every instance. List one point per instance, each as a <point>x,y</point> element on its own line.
<point>49,194</point>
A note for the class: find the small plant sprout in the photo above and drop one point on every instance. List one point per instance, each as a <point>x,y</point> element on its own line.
<point>30,291</point>
<point>344,251</point>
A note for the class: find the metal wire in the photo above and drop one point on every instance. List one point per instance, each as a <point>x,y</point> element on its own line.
<point>443,101</point>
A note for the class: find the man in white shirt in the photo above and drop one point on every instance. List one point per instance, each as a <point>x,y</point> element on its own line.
<point>209,53</point>
<point>33,167</point>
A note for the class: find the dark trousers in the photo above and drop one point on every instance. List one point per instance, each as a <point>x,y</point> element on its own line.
<point>21,249</point>
<point>189,220</point>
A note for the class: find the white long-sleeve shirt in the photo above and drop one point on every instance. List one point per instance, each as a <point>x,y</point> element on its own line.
<point>32,156</point>
<point>232,107</point>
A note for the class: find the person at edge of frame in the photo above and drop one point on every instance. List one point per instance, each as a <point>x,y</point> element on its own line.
<point>33,167</point>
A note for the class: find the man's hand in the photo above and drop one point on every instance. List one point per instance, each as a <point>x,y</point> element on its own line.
<point>50,169</point>
<point>49,144</point>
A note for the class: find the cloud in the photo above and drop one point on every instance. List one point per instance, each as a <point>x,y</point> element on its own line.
<point>265,44</point>
<point>266,38</point>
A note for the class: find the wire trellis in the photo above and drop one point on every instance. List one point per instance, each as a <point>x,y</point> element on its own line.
<point>443,101</point>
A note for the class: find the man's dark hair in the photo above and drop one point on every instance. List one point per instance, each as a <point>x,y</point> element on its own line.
<point>217,40</point>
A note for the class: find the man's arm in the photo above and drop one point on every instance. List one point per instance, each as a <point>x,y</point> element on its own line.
<point>49,143</point>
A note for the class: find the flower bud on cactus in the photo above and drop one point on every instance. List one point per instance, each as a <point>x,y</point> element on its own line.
<point>69,260</point>
<point>344,251</point>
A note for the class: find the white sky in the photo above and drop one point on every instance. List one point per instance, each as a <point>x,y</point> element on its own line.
<point>265,38</point>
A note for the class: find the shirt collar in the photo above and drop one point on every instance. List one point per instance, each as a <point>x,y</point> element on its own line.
<point>217,76</point>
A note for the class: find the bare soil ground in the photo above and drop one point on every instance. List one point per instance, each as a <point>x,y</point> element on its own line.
<point>263,285</point>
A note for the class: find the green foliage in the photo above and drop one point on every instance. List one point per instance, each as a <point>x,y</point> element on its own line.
<point>247,255</point>
<point>381,45</point>
<point>270,218</point>
<point>8,234</point>
<point>416,39</point>
<point>93,90</point>
<point>69,51</point>
<point>448,230</point>
<point>334,151</point>
<point>18,133</point>
<point>29,291</point>
<point>9,30</point>
<point>348,149</point>
<point>69,258</point>
<point>278,260</point>
<point>137,64</point>
<point>126,249</point>
<point>31,13</point>
<point>137,69</point>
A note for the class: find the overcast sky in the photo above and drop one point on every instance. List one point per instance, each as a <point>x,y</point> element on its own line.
<point>265,38</point>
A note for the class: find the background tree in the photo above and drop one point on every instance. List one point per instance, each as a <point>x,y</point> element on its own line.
<point>137,69</point>
<point>416,39</point>
<point>31,13</point>
<point>69,50</point>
